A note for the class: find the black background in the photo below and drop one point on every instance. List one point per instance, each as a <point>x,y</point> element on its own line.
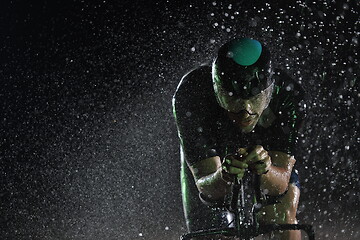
<point>89,148</point>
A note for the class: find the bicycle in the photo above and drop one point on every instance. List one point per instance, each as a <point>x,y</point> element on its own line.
<point>247,228</point>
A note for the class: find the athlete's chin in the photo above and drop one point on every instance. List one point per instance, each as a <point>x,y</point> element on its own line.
<point>246,129</point>
<point>246,125</point>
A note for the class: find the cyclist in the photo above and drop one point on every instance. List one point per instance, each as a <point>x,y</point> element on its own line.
<point>238,115</point>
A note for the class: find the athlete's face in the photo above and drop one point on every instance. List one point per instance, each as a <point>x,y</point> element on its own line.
<point>245,113</point>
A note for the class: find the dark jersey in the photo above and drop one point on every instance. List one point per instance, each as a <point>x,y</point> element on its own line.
<point>205,130</point>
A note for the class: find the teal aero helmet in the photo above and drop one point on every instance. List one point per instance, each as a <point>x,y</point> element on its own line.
<point>242,67</point>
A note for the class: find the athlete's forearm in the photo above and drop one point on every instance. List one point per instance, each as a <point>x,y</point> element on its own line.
<point>276,180</point>
<point>214,186</point>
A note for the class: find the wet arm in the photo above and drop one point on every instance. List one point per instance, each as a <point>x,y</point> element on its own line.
<point>210,180</point>
<point>275,181</point>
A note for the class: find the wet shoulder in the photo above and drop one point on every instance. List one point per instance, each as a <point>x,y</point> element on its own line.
<point>195,81</point>
<point>285,116</point>
<point>195,89</point>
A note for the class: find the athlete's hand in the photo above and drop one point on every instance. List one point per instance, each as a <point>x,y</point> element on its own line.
<point>234,165</point>
<point>258,160</point>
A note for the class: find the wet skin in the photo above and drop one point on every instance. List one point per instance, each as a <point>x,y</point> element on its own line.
<point>245,113</point>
